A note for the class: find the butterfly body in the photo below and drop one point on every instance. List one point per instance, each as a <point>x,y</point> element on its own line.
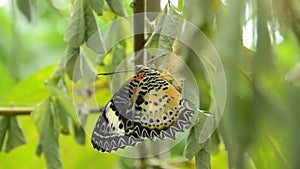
<point>146,106</point>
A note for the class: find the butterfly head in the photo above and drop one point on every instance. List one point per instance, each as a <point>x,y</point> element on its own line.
<point>143,68</point>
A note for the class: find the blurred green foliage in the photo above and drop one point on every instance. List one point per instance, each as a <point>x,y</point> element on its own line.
<point>260,125</point>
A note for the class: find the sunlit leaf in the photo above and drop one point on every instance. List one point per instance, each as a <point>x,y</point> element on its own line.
<point>287,53</point>
<point>15,134</point>
<point>31,90</point>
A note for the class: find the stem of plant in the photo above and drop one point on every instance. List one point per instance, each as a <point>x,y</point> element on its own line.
<point>13,111</point>
<point>138,27</point>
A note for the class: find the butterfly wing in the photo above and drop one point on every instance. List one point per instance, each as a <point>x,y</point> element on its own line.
<point>161,110</point>
<point>114,127</point>
<point>147,106</point>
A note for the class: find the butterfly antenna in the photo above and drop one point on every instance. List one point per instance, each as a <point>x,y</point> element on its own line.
<point>154,58</point>
<point>110,73</point>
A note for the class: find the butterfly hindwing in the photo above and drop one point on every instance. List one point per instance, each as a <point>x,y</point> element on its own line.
<point>161,110</point>
<point>146,106</point>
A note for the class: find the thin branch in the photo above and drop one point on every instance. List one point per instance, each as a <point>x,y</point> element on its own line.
<point>13,111</point>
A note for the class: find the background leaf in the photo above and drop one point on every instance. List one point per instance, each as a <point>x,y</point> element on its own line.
<point>15,134</point>
<point>167,29</point>
<point>25,6</point>
<point>117,7</point>
<point>97,6</point>
<point>193,146</point>
<point>6,82</point>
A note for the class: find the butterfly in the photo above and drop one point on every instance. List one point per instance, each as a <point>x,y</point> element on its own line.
<point>147,106</point>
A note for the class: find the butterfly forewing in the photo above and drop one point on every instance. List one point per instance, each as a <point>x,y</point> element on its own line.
<point>145,107</point>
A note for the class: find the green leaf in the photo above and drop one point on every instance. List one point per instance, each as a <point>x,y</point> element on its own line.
<point>264,59</point>
<point>168,28</point>
<point>97,6</point>
<point>117,7</point>
<point>76,30</point>
<point>288,47</point>
<point>79,129</point>
<point>82,69</point>
<point>15,134</point>
<point>203,159</point>
<point>39,149</point>
<point>90,23</point>
<point>4,124</point>
<point>193,146</point>
<point>62,117</point>
<point>71,58</point>
<point>25,7</point>
<point>65,105</point>
<point>32,89</point>
<point>41,115</point>
<point>79,134</point>
<point>180,4</point>
<point>112,34</point>
<point>44,119</point>
<point>57,78</point>
<point>215,142</point>
<point>92,34</point>
<point>201,11</point>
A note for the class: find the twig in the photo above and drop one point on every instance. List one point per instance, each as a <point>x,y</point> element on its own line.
<point>12,111</point>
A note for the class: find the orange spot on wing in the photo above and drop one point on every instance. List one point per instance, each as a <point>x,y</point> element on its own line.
<point>134,90</point>
<point>138,77</point>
